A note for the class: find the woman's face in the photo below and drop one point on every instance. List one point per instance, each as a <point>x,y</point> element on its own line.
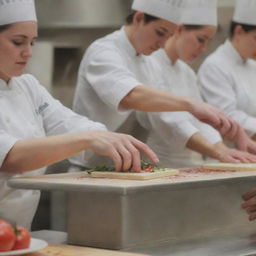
<point>16,48</point>
<point>246,44</point>
<point>151,36</point>
<point>192,43</point>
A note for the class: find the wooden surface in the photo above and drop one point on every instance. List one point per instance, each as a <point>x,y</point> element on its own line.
<point>230,166</point>
<point>68,250</point>
<point>135,175</point>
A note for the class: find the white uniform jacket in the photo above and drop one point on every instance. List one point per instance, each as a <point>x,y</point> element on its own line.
<point>27,110</point>
<point>170,131</point>
<point>228,82</point>
<point>110,69</point>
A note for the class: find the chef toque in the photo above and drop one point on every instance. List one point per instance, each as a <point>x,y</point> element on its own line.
<point>163,9</point>
<point>199,12</point>
<point>12,11</point>
<point>245,12</point>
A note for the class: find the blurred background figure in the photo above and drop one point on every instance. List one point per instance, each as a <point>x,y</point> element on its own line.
<point>174,135</point>
<point>227,77</point>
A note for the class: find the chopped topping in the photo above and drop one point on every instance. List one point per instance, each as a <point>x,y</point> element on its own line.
<point>200,170</point>
<point>145,167</point>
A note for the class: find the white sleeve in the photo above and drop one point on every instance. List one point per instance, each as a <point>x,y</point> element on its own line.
<point>174,127</point>
<point>7,141</point>
<point>209,133</point>
<point>217,89</point>
<point>109,76</point>
<point>58,119</point>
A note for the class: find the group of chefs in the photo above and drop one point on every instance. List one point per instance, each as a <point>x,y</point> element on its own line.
<point>127,73</point>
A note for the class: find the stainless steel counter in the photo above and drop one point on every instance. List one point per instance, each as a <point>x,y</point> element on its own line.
<point>82,182</point>
<point>220,245</point>
<point>196,214</point>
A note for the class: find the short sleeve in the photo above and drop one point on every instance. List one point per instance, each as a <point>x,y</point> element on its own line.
<point>56,118</point>
<point>7,141</point>
<point>110,77</point>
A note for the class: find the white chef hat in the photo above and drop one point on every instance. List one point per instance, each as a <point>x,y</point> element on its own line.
<point>199,12</point>
<point>245,12</point>
<point>163,9</point>
<point>12,11</point>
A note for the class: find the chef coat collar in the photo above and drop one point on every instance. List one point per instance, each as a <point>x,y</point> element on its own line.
<point>4,86</point>
<point>127,44</point>
<point>166,59</point>
<point>163,55</point>
<point>233,53</point>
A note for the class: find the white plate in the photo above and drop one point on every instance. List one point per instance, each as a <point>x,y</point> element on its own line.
<point>35,245</point>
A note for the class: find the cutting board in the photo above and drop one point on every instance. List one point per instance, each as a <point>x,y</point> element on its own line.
<point>135,175</point>
<point>231,167</point>
<point>68,250</point>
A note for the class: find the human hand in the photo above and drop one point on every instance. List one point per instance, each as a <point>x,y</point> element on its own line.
<point>228,155</point>
<point>214,117</point>
<point>250,203</point>
<point>244,142</point>
<point>123,149</point>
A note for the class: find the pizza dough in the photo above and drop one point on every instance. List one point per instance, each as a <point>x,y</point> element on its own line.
<point>231,167</point>
<point>135,175</point>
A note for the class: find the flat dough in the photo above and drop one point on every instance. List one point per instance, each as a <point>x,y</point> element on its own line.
<point>135,175</point>
<point>230,166</point>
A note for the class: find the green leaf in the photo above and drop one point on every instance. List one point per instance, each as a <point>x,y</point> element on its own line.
<point>104,168</point>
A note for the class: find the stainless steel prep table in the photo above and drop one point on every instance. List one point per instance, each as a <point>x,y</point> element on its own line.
<point>168,216</point>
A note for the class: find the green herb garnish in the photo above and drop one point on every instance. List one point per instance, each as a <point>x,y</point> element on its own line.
<point>104,168</point>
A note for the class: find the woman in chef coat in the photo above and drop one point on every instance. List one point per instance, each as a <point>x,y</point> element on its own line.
<point>227,77</point>
<point>36,130</point>
<point>173,136</point>
<point>115,72</point>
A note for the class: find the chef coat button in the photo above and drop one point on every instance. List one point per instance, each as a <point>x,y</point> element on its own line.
<point>7,120</point>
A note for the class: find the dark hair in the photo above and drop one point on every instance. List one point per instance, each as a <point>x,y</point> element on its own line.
<point>245,27</point>
<point>193,27</point>
<point>4,27</point>
<point>147,18</point>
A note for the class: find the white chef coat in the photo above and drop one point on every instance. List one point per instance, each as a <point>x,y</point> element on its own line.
<point>110,69</point>
<point>170,131</point>
<point>27,110</point>
<point>228,82</point>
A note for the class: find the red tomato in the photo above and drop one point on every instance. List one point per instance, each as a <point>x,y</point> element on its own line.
<point>7,236</point>
<point>148,168</point>
<point>22,238</point>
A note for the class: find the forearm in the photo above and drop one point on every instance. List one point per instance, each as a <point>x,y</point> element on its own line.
<point>199,144</point>
<point>31,154</point>
<point>149,99</point>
